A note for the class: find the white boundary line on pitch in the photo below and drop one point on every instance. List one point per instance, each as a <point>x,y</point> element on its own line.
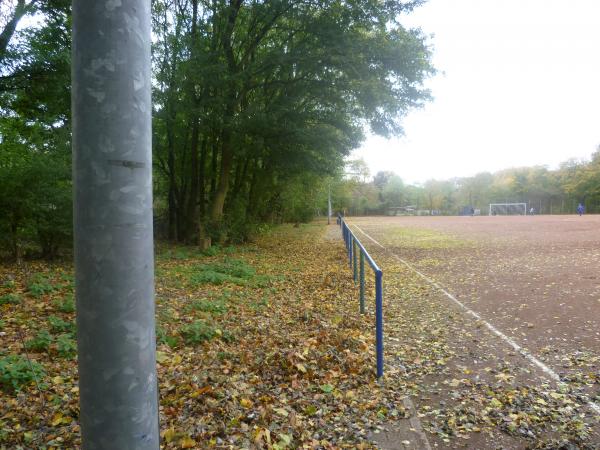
<point>525,353</point>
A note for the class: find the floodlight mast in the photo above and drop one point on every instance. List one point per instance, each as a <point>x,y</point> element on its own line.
<point>329,205</point>
<point>114,264</point>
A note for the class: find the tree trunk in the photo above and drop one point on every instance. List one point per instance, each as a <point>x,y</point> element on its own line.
<point>192,209</point>
<point>172,203</point>
<point>202,180</point>
<point>216,212</point>
<point>213,171</point>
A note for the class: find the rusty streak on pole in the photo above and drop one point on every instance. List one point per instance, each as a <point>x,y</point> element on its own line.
<point>114,262</point>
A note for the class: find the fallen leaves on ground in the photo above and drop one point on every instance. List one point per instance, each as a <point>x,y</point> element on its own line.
<point>260,346</point>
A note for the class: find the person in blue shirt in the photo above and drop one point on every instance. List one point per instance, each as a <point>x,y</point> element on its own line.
<point>580,209</point>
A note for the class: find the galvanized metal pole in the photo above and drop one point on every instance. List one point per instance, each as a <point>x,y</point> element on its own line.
<point>362,282</point>
<point>379,321</point>
<point>114,264</point>
<point>351,243</point>
<point>329,205</point>
<point>355,257</point>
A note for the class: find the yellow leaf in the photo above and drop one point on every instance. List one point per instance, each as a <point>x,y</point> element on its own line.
<point>176,359</point>
<point>496,403</point>
<point>56,419</point>
<point>301,367</point>
<point>169,434</point>
<point>246,403</point>
<point>57,380</point>
<point>187,442</point>
<point>161,357</point>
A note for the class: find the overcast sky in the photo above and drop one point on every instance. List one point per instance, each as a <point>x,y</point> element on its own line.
<point>519,85</point>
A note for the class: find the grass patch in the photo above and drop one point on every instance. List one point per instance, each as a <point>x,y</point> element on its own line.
<point>10,299</point>
<point>66,346</point>
<point>17,371</point>
<point>40,343</point>
<point>40,285</point>
<point>162,337</point>
<point>65,305</point>
<point>58,325</point>
<point>217,306</point>
<point>197,332</point>
<point>230,270</point>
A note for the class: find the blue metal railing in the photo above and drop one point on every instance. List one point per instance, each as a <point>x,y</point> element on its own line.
<point>356,259</point>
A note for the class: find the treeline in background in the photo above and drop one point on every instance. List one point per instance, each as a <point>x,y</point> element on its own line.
<point>546,191</point>
<point>256,106</point>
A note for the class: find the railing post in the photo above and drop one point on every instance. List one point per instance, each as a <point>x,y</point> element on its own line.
<point>362,282</point>
<point>379,321</point>
<point>355,261</point>
<point>350,244</point>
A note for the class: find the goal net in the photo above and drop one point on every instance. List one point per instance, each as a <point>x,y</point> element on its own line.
<point>508,209</point>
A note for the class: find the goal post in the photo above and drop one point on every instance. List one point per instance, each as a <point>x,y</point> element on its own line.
<point>508,209</point>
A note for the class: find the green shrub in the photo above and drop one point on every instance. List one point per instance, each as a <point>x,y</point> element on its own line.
<point>210,277</point>
<point>66,305</point>
<point>58,325</point>
<point>217,306</point>
<point>40,343</point>
<point>163,338</point>
<point>213,250</point>
<point>197,332</point>
<point>230,270</point>
<point>12,299</point>
<point>17,371</point>
<point>39,285</point>
<point>66,346</point>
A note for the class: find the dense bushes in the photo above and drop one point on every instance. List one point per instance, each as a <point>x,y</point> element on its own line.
<point>35,206</point>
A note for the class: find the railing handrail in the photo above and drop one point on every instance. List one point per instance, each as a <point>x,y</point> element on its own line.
<point>370,260</point>
<point>352,242</point>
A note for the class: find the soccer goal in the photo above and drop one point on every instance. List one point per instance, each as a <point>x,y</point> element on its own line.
<point>508,209</point>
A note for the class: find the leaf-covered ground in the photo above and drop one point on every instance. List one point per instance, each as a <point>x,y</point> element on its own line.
<point>262,346</point>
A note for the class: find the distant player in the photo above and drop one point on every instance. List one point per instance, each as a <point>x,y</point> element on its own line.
<point>531,211</point>
<point>580,209</point>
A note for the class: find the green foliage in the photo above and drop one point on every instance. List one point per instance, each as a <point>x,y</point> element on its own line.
<point>291,104</point>
<point>58,325</point>
<point>35,174</point>
<point>17,371</point>
<point>213,250</point>
<point>40,343</point>
<point>66,346</point>
<point>197,332</point>
<point>162,337</point>
<point>12,299</point>
<point>231,270</point>
<point>216,306</point>
<point>40,285</point>
<point>65,305</point>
